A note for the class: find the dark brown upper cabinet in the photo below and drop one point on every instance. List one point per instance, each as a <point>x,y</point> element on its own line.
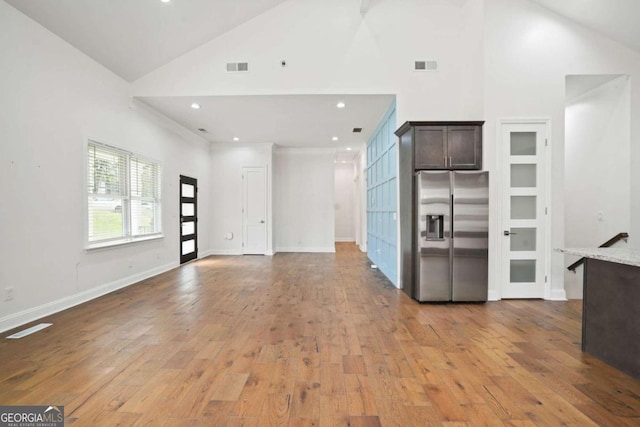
<point>445,145</point>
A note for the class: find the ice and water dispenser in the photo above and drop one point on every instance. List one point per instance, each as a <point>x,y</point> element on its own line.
<point>435,227</point>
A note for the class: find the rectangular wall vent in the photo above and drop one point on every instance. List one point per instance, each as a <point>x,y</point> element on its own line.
<point>357,130</point>
<point>237,67</point>
<point>425,66</point>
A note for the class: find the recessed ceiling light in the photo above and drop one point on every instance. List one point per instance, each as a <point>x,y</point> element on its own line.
<point>195,106</point>
<point>335,138</point>
<point>235,138</point>
<point>348,148</point>
<point>165,1</point>
<point>341,104</point>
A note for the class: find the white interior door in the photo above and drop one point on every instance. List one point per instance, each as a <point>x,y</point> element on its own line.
<point>254,211</point>
<point>524,214</point>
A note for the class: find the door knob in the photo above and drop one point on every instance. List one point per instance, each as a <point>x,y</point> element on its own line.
<point>508,233</point>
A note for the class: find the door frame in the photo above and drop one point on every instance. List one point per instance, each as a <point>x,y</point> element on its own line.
<point>244,207</point>
<point>190,181</point>
<point>502,192</point>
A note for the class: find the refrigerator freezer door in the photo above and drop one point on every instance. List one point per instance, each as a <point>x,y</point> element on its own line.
<point>470,236</point>
<point>433,236</point>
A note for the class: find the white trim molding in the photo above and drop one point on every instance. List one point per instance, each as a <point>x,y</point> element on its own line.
<point>27,316</point>
<point>224,252</point>
<point>311,249</point>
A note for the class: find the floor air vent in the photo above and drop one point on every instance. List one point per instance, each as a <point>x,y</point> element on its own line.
<point>29,331</point>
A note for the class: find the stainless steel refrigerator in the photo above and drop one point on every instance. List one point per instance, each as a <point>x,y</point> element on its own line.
<point>451,233</point>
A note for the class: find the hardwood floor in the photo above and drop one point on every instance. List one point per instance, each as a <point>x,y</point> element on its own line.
<point>311,339</point>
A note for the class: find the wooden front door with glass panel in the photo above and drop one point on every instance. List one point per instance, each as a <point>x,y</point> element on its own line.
<point>188,219</point>
<point>524,211</point>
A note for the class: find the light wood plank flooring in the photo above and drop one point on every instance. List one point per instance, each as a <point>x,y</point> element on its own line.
<point>308,340</point>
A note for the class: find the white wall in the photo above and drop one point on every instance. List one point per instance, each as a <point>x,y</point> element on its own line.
<point>597,168</point>
<point>528,51</point>
<point>304,200</point>
<point>361,194</point>
<point>227,161</point>
<point>345,202</point>
<point>53,99</point>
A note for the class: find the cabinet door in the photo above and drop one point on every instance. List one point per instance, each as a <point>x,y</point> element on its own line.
<point>430,150</point>
<point>464,147</point>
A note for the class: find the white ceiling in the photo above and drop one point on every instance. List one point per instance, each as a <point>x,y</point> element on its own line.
<point>285,120</point>
<point>616,19</point>
<point>134,37</point>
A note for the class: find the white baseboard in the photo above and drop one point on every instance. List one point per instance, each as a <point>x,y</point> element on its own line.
<point>31,314</point>
<point>493,295</point>
<point>270,253</point>
<point>204,254</point>
<point>363,248</point>
<point>345,239</point>
<point>328,249</point>
<point>224,252</point>
<point>558,295</point>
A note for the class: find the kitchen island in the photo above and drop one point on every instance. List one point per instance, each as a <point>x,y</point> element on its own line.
<point>611,306</point>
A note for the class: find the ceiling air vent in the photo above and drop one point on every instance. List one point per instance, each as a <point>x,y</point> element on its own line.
<point>425,66</point>
<point>357,130</point>
<point>237,67</point>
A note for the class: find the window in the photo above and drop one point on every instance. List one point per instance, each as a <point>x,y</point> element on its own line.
<point>123,196</point>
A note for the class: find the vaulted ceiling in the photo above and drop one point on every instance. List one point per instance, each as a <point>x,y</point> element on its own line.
<point>135,37</point>
<point>616,19</point>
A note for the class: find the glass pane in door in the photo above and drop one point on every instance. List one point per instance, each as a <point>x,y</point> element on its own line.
<point>523,176</point>
<point>523,143</point>
<point>523,207</point>
<point>187,190</point>
<point>523,271</point>
<point>523,239</point>
<point>188,228</point>
<point>188,209</point>
<point>188,247</point>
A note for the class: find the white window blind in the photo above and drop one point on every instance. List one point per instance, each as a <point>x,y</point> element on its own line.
<point>123,196</point>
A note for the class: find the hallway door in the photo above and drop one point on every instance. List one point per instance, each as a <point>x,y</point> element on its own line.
<point>254,210</point>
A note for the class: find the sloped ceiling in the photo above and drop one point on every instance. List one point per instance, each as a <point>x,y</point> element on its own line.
<point>134,37</point>
<point>616,19</point>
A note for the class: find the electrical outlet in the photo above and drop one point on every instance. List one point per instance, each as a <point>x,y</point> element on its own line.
<point>9,294</point>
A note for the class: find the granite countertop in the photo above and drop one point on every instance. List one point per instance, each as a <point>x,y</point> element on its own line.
<point>619,255</point>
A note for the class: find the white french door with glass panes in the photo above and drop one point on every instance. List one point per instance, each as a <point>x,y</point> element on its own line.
<point>524,213</point>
